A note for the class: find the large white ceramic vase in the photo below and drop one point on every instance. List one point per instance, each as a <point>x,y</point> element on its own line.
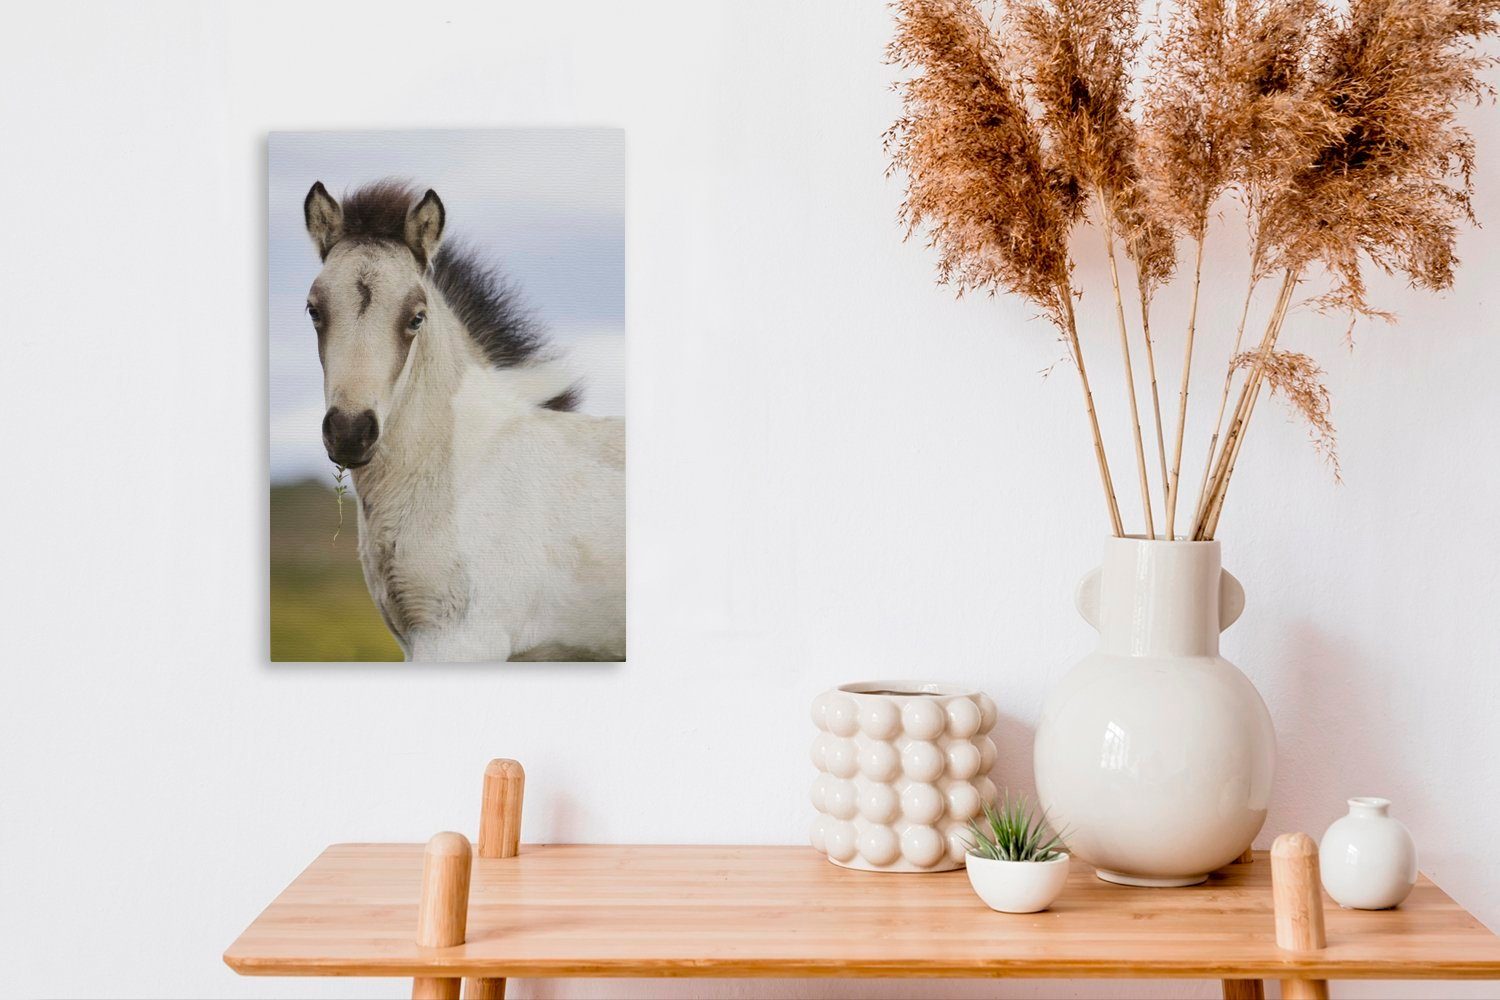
<point>1154,754</point>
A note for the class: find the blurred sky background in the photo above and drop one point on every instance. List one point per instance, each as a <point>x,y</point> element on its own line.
<point>546,205</point>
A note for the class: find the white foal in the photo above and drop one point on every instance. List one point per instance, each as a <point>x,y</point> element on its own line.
<point>491,517</point>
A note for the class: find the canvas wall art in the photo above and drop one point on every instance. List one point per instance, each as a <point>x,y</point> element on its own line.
<point>447,394</point>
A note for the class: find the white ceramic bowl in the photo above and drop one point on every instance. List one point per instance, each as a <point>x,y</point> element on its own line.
<point>1018,886</point>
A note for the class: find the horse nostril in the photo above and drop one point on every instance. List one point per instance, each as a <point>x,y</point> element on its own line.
<point>349,439</point>
<point>365,429</point>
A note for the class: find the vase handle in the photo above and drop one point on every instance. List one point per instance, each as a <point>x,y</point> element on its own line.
<point>1086,597</point>
<point>1231,598</point>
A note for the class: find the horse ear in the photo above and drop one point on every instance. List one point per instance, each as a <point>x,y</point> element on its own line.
<point>424,227</point>
<point>325,220</point>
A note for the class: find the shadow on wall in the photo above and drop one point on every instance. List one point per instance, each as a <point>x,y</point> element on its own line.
<point>1333,736</point>
<point>1013,763</point>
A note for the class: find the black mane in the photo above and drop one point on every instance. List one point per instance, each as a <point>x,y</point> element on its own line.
<point>488,305</point>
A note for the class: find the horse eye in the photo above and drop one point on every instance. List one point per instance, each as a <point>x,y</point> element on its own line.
<point>416,322</point>
<point>313,314</point>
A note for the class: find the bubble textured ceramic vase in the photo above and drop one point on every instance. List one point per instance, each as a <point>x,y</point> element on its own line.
<point>903,766</point>
<point>1155,754</point>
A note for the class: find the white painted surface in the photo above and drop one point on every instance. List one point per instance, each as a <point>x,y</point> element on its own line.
<point>837,472</point>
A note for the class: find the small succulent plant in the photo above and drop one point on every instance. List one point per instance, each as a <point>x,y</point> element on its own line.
<point>1013,831</point>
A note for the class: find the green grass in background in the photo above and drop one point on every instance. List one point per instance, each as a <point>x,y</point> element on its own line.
<point>320,608</point>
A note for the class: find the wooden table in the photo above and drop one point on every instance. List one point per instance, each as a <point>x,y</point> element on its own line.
<point>582,910</point>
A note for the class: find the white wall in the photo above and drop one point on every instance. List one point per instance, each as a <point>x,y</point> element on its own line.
<point>836,472</point>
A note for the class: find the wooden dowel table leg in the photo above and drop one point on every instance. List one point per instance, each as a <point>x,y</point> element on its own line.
<point>499,837</point>
<point>1244,989</point>
<point>443,913</point>
<point>500,810</point>
<point>1297,892</point>
<point>1304,989</point>
<point>485,988</point>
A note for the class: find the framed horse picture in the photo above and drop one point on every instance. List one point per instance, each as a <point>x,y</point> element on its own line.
<point>447,441</point>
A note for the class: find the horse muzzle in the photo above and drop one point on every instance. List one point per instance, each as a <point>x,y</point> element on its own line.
<point>349,438</point>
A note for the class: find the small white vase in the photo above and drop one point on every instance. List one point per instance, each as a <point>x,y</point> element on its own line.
<point>903,766</point>
<point>1018,886</point>
<point>1154,755</point>
<point>1367,858</point>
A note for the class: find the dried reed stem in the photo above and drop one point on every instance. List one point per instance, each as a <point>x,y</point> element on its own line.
<point>1161,443</point>
<point>1182,396</point>
<point>1243,406</point>
<point>1135,413</point>
<point>1229,370</point>
<point>1298,379</point>
<point>1070,325</point>
<point>1234,457</point>
<point>1219,483</point>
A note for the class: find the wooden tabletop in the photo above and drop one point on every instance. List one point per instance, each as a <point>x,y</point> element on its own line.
<point>579,910</point>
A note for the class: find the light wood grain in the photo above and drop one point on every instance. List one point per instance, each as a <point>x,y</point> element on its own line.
<point>442,908</point>
<point>1304,989</point>
<point>484,988</point>
<point>1297,894</point>
<point>1244,989</point>
<point>580,910</point>
<point>499,837</point>
<point>500,810</point>
<point>435,988</point>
